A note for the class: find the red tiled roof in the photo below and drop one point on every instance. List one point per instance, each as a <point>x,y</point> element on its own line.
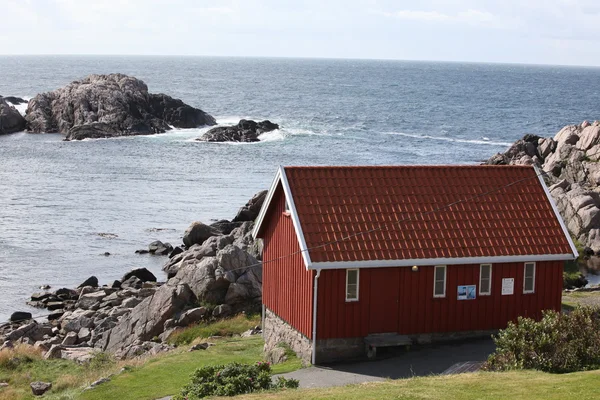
<point>398,208</point>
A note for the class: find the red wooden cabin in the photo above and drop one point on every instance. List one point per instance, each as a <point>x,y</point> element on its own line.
<point>357,257</point>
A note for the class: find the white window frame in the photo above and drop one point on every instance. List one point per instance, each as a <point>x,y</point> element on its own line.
<point>357,284</point>
<point>489,292</point>
<point>434,280</point>
<point>533,277</point>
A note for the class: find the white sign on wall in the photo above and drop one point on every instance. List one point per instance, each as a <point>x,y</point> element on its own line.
<point>508,286</point>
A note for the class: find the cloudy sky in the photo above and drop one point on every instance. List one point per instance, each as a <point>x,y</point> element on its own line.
<point>513,31</point>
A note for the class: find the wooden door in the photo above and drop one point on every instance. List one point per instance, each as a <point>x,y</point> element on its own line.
<point>383,303</point>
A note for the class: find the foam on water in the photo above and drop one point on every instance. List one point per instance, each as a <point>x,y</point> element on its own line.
<point>483,141</point>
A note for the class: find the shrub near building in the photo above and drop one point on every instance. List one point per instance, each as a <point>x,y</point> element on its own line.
<point>231,380</point>
<point>559,343</point>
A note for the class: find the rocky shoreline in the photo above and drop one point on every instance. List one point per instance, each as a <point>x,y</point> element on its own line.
<point>215,273</point>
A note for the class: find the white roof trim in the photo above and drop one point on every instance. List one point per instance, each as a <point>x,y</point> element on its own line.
<point>281,177</point>
<point>439,261</point>
<point>266,203</point>
<point>556,212</point>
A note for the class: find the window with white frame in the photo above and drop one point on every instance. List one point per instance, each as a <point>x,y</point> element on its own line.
<point>439,281</point>
<point>485,279</point>
<point>529,278</point>
<point>352,285</point>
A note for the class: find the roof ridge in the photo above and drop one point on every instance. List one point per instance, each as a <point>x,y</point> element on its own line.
<point>433,166</point>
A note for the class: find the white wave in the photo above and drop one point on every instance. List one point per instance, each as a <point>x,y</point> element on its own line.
<point>21,108</point>
<point>455,140</point>
<point>272,136</point>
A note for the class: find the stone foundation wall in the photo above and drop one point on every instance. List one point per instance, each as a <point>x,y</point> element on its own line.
<point>276,330</point>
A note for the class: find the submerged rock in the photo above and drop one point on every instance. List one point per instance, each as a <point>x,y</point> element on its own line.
<point>100,106</point>
<point>244,131</point>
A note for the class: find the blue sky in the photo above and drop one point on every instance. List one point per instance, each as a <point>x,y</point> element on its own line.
<point>526,31</point>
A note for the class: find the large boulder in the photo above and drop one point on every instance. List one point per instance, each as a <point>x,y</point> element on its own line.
<point>197,233</point>
<point>141,273</point>
<point>147,319</point>
<point>108,106</point>
<point>233,276</point>
<point>244,131</point>
<point>11,120</point>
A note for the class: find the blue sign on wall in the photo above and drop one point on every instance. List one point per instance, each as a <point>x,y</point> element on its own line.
<point>467,292</point>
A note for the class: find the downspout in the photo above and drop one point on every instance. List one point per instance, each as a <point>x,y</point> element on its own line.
<point>314,332</point>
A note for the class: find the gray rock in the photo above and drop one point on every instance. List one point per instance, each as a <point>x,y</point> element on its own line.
<point>86,301</point>
<point>197,233</point>
<point>141,273</point>
<point>108,106</point>
<point>91,281</point>
<point>20,316</point>
<point>54,352</point>
<point>84,335</point>
<point>250,211</point>
<point>159,248</point>
<point>39,388</point>
<point>132,282</point>
<point>244,131</point>
<point>11,120</point>
<point>131,302</point>
<point>78,354</point>
<point>222,311</point>
<point>192,316</point>
<point>70,339</point>
<point>148,318</point>
<point>200,346</point>
<point>276,355</point>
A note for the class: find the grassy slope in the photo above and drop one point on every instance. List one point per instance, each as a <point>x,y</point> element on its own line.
<point>157,376</point>
<point>483,385</point>
<point>166,375</point>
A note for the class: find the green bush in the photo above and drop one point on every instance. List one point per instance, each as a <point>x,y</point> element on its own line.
<point>559,342</point>
<point>232,379</point>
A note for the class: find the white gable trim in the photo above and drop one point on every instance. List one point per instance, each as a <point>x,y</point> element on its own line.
<point>281,177</point>
<point>420,262</point>
<point>556,212</point>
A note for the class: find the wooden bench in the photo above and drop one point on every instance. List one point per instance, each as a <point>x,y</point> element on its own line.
<point>372,342</point>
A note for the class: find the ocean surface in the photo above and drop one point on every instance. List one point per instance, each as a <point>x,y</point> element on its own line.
<point>64,204</point>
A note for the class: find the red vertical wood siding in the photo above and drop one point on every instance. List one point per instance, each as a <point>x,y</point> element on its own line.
<point>287,285</point>
<point>419,312</point>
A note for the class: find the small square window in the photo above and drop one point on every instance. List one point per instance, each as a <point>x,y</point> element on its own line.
<point>352,285</point>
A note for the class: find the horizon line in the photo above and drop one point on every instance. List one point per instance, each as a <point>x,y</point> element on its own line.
<point>305,58</point>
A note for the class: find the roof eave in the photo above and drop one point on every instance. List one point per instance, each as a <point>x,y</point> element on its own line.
<point>419,262</point>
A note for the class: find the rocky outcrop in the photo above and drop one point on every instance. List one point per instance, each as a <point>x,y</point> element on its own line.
<point>232,277</point>
<point>250,210</point>
<point>10,119</point>
<point>244,131</point>
<point>571,162</point>
<point>112,105</point>
<point>147,319</point>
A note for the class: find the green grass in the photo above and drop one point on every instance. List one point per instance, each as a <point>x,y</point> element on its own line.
<point>23,365</point>
<point>226,327</point>
<point>481,385</point>
<point>166,375</point>
<point>149,378</point>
